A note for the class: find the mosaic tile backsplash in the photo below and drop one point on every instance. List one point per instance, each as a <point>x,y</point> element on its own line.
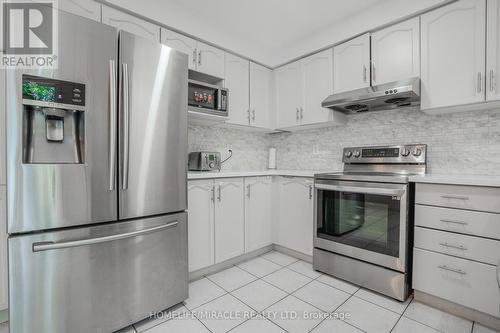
<point>459,143</point>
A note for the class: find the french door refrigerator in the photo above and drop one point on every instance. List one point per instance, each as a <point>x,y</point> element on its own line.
<point>97,183</point>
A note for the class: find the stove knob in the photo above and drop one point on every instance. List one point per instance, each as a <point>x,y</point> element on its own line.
<point>405,152</point>
<point>348,154</point>
<point>357,154</point>
<point>416,152</point>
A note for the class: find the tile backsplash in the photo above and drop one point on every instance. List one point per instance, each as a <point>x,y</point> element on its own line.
<point>459,143</point>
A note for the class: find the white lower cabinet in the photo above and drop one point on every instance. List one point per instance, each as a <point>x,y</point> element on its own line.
<point>257,213</point>
<point>3,250</point>
<point>465,282</point>
<point>229,223</point>
<point>294,225</point>
<point>200,224</point>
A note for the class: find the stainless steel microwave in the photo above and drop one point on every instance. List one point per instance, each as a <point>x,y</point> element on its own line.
<point>207,98</point>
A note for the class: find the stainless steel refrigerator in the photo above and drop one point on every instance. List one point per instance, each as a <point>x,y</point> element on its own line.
<point>97,183</point>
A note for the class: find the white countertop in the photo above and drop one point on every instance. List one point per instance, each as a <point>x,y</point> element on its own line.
<point>472,180</point>
<point>229,174</point>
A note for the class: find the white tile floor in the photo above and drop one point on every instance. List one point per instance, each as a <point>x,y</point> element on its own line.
<point>266,293</point>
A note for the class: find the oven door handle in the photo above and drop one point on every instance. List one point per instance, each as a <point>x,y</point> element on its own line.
<point>362,190</point>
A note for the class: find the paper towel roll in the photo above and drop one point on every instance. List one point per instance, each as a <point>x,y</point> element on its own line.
<point>272,159</point>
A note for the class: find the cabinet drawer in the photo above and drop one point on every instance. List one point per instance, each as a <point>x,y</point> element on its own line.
<point>456,220</point>
<point>461,281</point>
<point>468,247</point>
<point>485,199</point>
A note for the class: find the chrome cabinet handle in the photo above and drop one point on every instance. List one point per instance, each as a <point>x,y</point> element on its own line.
<point>454,222</point>
<point>219,194</point>
<point>248,190</point>
<point>194,57</point>
<point>212,196</point>
<point>199,58</point>
<point>126,127</point>
<point>248,115</point>
<point>457,197</point>
<point>112,125</point>
<point>301,113</point>
<point>373,72</point>
<point>310,192</point>
<point>253,115</point>
<point>364,74</point>
<point>44,246</point>
<point>297,116</point>
<point>458,247</point>
<point>454,270</point>
<point>479,81</point>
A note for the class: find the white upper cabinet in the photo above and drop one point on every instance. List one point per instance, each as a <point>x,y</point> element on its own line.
<point>493,51</point>
<point>3,250</point>
<point>395,52</point>
<point>260,96</point>
<point>317,80</point>
<point>453,54</point>
<point>129,23</point>
<point>210,60</point>
<point>352,64</point>
<point>202,57</point>
<point>288,80</point>
<point>201,224</point>
<point>180,43</point>
<point>257,213</point>
<point>3,137</point>
<point>237,81</point>
<point>229,219</point>
<point>86,8</point>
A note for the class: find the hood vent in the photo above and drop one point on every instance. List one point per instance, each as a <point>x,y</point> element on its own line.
<point>386,96</point>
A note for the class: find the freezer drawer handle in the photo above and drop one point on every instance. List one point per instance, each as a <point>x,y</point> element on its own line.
<point>44,246</point>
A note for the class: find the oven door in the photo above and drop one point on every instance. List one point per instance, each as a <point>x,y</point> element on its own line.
<point>363,220</point>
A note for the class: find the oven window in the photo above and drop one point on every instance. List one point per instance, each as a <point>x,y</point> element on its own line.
<point>366,221</point>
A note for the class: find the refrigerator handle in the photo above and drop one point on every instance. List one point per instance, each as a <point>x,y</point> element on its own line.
<point>126,125</point>
<point>44,246</point>
<point>112,124</point>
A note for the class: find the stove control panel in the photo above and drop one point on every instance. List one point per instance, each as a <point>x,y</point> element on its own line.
<point>403,154</point>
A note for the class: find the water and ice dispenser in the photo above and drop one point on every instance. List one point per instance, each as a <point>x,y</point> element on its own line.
<point>53,121</point>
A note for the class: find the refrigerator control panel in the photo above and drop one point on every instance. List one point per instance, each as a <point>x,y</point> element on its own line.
<point>53,91</point>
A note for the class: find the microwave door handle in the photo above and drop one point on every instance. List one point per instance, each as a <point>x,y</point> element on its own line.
<point>219,99</point>
<point>362,190</point>
<point>44,246</point>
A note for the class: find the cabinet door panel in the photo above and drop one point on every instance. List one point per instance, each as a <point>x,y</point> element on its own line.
<point>3,250</point>
<point>200,224</point>
<point>288,94</point>
<point>493,51</point>
<point>229,224</point>
<point>260,95</point>
<point>396,52</point>
<point>453,54</point>
<point>351,68</point>
<point>132,24</point>
<point>295,221</point>
<point>237,81</point>
<point>317,85</point>
<point>3,137</point>
<point>210,60</point>
<point>257,213</point>
<point>180,43</point>
<point>86,8</point>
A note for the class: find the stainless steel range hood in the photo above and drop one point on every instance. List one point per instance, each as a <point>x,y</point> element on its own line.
<point>385,96</point>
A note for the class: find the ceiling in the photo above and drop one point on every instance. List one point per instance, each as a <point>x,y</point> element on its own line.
<point>273,24</point>
<point>273,32</point>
